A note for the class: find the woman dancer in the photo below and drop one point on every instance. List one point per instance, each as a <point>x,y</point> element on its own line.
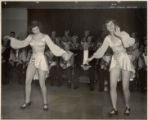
<point>120,64</point>
<point>38,65</point>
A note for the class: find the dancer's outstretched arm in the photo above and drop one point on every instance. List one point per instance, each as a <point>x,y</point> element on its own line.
<point>124,37</point>
<point>100,52</point>
<point>16,44</point>
<point>56,50</point>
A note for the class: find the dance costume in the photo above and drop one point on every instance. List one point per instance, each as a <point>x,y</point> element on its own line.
<point>38,46</point>
<point>120,57</point>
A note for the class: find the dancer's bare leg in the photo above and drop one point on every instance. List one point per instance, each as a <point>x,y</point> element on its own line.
<point>42,77</point>
<point>114,76</point>
<point>29,76</point>
<point>125,85</point>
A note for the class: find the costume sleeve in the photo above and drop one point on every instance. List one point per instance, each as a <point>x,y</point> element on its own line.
<point>100,52</point>
<point>127,40</point>
<point>56,50</point>
<point>16,44</point>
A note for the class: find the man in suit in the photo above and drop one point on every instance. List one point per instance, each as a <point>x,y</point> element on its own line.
<point>83,68</point>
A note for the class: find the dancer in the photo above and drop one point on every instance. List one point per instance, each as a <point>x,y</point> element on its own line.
<point>38,65</point>
<point>120,63</point>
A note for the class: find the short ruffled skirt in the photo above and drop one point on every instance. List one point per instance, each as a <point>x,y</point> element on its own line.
<point>122,61</point>
<point>40,62</point>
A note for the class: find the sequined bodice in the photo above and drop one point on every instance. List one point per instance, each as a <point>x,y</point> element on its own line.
<point>38,46</point>
<point>117,47</point>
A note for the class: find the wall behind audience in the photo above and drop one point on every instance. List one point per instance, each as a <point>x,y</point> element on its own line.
<point>78,20</point>
<point>14,19</point>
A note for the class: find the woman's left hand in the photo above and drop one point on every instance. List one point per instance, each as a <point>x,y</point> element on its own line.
<point>117,31</point>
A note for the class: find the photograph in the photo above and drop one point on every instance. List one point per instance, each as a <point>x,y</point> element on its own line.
<point>74,59</point>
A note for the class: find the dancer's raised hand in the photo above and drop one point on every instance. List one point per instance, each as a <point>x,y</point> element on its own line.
<point>117,31</point>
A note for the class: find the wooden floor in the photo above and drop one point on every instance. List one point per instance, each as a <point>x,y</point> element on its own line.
<point>65,103</point>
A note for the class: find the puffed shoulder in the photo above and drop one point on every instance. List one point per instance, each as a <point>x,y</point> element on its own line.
<point>124,33</point>
<point>127,40</point>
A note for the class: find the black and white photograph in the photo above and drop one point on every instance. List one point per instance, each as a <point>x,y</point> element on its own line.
<point>74,59</point>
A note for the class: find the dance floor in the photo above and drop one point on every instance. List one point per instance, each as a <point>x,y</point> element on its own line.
<point>65,103</point>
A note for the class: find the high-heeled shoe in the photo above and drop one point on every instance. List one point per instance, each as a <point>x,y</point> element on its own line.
<point>113,112</point>
<point>25,105</point>
<point>45,107</point>
<point>127,111</point>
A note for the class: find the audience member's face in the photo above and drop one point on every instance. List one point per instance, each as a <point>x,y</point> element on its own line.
<point>110,26</point>
<point>67,32</point>
<point>133,35</point>
<point>85,46</point>
<point>86,33</point>
<point>35,30</point>
<point>53,34</point>
<point>74,39</point>
<point>57,40</point>
<point>67,47</point>
<point>89,39</point>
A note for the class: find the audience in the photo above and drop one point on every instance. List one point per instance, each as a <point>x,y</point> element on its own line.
<point>69,71</point>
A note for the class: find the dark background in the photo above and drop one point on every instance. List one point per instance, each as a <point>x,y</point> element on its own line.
<point>79,16</point>
<point>78,20</point>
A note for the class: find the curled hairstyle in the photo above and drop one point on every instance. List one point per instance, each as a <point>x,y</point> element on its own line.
<point>33,24</point>
<point>107,21</point>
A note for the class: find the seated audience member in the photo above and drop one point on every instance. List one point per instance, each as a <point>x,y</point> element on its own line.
<point>142,63</point>
<point>67,68</point>
<point>103,78</point>
<point>84,68</point>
